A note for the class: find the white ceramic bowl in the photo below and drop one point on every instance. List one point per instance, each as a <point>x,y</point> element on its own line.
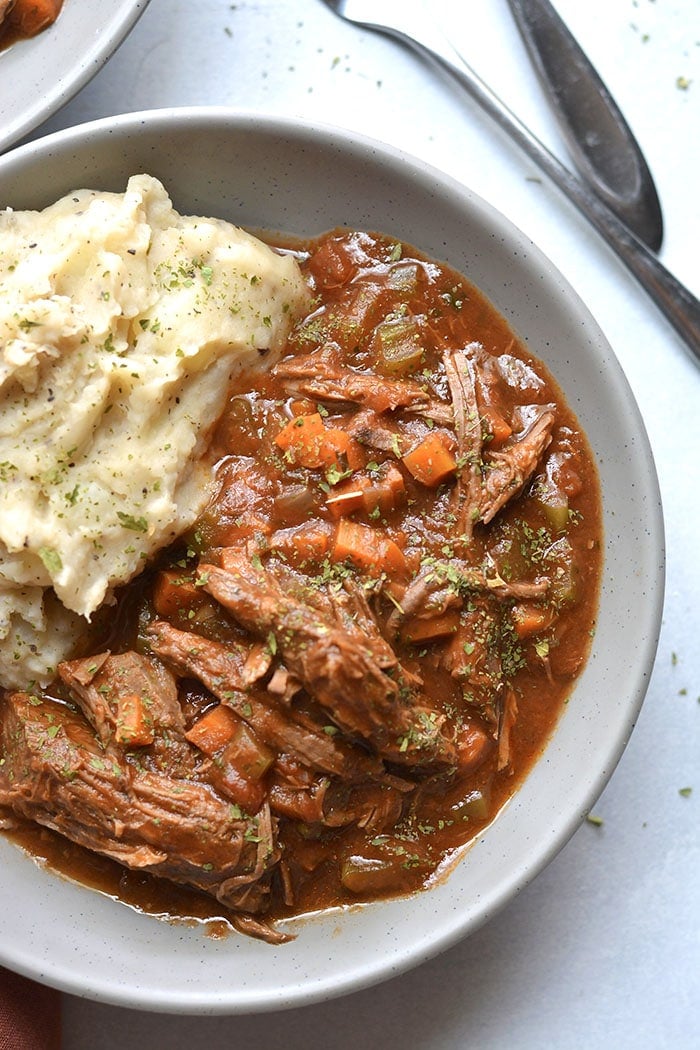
<point>283,175</point>
<point>40,75</point>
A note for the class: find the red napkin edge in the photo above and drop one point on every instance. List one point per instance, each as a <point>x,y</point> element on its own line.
<point>30,1014</point>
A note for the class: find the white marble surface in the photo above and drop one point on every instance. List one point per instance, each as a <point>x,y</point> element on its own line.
<point>603,949</point>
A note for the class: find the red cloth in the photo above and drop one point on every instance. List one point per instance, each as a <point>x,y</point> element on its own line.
<point>30,1014</point>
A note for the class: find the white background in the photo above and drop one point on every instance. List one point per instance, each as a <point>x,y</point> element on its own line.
<point>603,949</point>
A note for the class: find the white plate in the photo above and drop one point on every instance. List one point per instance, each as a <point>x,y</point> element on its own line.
<point>39,75</point>
<point>283,175</point>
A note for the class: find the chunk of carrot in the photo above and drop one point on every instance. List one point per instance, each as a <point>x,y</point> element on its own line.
<point>346,499</point>
<point>473,745</point>
<point>308,541</point>
<point>134,727</point>
<point>353,542</point>
<point>381,492</point>
<point>498,429</point>
<point>368,549</point>
<point>393,560</point>
<point>175,594</point>
<point>301,439</point>
<point>246,754</point>
<point>308,442</point>
<point>431,461</point>
<point>214,730</point>
<point>531,619</point>
<point>302,407</point>
<point>248,794</point>
<point>427,630</point>
<point>339,450</point>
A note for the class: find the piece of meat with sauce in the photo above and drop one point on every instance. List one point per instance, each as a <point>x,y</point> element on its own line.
<point>26,18</point>
<point>488,481</point>
<point>212,664</point>
<point>245,496</point>
<point>440,586</point>
<point>347,605</point>
<point>131,701</point>
<point>339,669</point>
<point>56,772</point>
<point>336,804</point>
<point>508,470</point>
<point>5,8</point>
<point>320,375</point>
<point>373,430</point>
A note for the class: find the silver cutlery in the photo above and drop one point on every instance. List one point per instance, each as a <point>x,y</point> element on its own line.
<point>599,140</point>
<point>410,22</point>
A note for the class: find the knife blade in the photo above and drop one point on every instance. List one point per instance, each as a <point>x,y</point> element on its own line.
<point>601,143</point>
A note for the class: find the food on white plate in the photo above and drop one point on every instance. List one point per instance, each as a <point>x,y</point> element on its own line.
<point>341,671</point>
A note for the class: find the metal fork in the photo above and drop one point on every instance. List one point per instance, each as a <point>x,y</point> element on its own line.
<point>409,22</point>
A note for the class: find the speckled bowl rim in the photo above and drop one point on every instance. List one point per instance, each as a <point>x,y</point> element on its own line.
<point>40,75</point>
<point>286,174</point>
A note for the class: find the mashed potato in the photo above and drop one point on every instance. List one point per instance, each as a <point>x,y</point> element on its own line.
<point>121,322</point>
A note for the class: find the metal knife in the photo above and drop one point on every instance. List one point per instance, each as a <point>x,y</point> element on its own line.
<point>599,139</point>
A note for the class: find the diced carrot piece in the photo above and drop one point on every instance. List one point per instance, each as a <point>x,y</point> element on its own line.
<point>310,540</point>
<point>176,594</point>
<point>473,744</point>
<point>385,491</point>
<point>531,619</point>
<point>354,543</point>
<point>221,732</point>
<point>382,492</point>
<point>431,461</point>
<point>214,730</point>
<point>367,549</point>
<point>346,499</point>
<point>241,760</point>
<point>334,445</point>
<point>134,727</point>
<point>393,559</point>
<point>29,17</point>
<point>429,629</point>
<point>301,439</point>
<point>308,442</point>
<point>302,407</point>
<point>355,456</point>
<point>498,428</point>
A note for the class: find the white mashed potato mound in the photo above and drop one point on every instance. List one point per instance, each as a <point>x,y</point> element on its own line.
<point>121,323</point>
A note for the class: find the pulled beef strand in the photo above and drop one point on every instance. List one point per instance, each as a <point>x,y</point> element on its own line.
<point>340,670</point>
<point>209,661</point>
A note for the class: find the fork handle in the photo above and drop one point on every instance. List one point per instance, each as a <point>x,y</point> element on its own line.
<point>674,300</point>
